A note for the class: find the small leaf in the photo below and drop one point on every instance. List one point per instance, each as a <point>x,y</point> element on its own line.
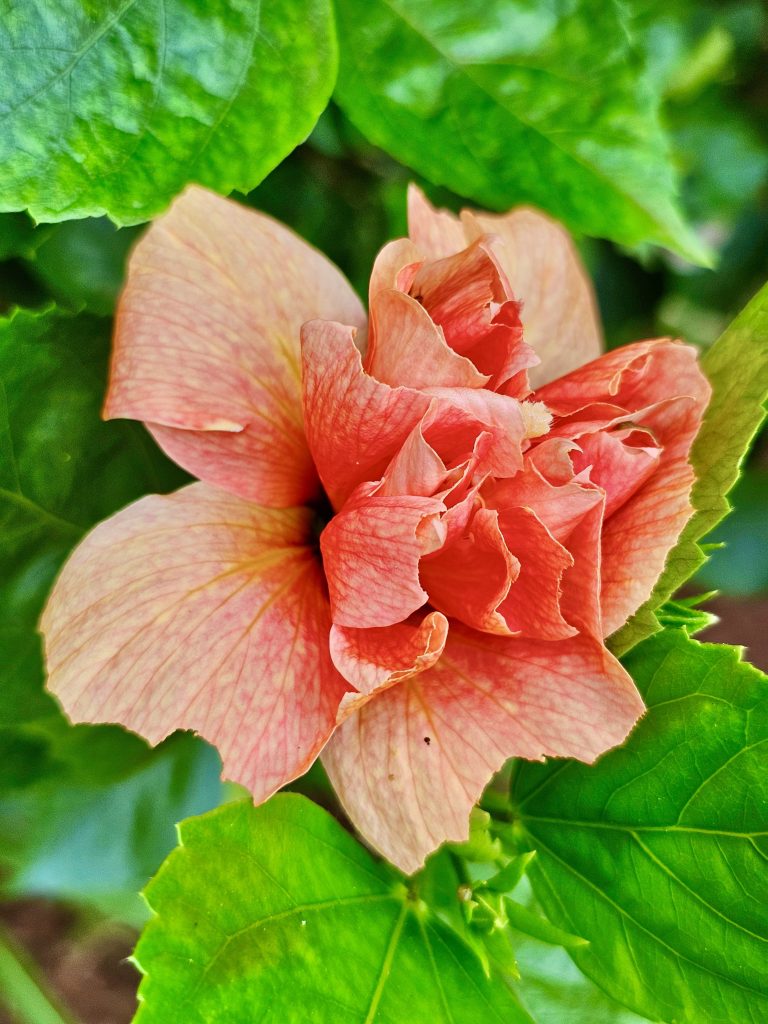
<point>657,854</point>
<point>539,927</point>
<point>510,875</point>
<point>276,914</point>
<point>514,101</point>
<point>737,368</point>
<point>113,107</point>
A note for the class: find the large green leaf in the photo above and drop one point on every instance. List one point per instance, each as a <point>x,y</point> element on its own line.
<point>737,368</point>
<point>113,106</point>
<point>658,855</point>
<point>278,915</point>
<point>61,470</point>
<point>509,101</point>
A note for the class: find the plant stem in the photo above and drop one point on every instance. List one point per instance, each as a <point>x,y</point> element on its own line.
<point>24,992</point>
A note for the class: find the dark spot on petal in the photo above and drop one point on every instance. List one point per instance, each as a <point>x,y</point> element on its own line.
<point>427,740</point>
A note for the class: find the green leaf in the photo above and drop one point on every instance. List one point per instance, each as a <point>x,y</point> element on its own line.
<point>657,854</point>
<point>61,470</point>
<point>737,368</point>
<point>277,915</point>
<point>510,101</point>
<point>82,263</point>
<point>112,107</point>
<point>93,835</point>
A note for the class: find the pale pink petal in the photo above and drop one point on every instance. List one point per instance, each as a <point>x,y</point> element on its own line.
<point>207,340</point>
<point>545,272</point>
<point>371,659</point>
<point>354,424</point>
<point>371,551</point>
<point>470,578</point>
<point>394,267</point>
<point>532,607</point>
<point>406,348</point>
<point>436,233</point>
<point>198,610</point>
<point>411,763</point>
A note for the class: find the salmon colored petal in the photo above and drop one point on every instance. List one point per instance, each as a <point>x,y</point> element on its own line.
<point>371,551</point>
<point>462,293</point>
<point>470,578</point>
<point>481,410</point>
<point>580,600</point>
<point>532,607</point>
<point>411,763</point>
<point>620,469</point>
<point>207,344</point>
<point>354,424</point>
<point>406,348</point>
<point>638,537</point>
<point>559,506</point>
<point>436,233</point>
<point>371,659</point>
<point>416,469</point>
<point>611,379</point>
<point>200,611</point>
<point>545,272</point>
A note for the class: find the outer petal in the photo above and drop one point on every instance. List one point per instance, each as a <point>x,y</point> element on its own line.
<point>642,379</point>
<point>371,659</point>
<point>436,233</point>
<point>410,764</point>
<point>354,423</point>
<point>207,344</point>
<point>542,265</point>
<point>639,536</point>
<point>371,552</point>
<point>200,611</point>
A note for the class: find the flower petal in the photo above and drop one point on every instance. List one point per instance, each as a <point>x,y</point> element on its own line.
<point>639,383</point>
<point>371,551</point>
<point>532,607</point>
<point>411,763</point>
<point>406,347</point>
<point>371,659</point>
<point>197,610</point>
<point>354,424</point>
<point>207,344</point>
<point>470,578</point>
<point>436,233</point>
<point>638,537</point>
<point>560,317</point>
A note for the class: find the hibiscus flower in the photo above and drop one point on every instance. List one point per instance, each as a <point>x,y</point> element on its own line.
<point>412,533</point>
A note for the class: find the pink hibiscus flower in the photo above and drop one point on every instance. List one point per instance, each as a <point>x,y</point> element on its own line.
<point>479,539</point>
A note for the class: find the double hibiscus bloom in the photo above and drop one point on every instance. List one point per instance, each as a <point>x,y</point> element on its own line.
<point>491,503</point>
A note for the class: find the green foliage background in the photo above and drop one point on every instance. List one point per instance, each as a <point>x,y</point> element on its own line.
<point>641,124</point>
